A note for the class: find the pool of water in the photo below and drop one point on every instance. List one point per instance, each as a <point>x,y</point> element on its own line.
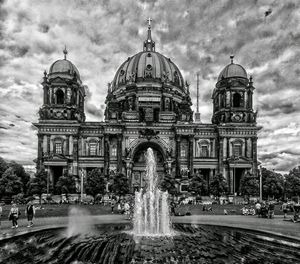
<point>115,244</point>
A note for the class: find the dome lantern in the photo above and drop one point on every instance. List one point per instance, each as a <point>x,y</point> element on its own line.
<point>149,44</point>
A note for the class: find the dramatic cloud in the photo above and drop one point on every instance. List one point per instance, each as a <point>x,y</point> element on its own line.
<point>198,36</point>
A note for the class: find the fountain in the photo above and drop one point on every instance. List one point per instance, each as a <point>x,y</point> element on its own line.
<point>151,210</point>
<point>152,240</point>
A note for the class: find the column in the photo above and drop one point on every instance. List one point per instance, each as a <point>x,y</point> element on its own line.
<point>129,173</point>
<point>106,155</point>
<point>254,155</point>
<point>83,146</point>
<point>75,155</point>
<point>40,151</point>
<point>225,148</point>
<point>178,139</point>
<point>229,153</point>
<point>230,181</point>
<point>119,153</point>
<point>191,156</point>
<point>48,145</point>
<point>211,175</point>
<point>246,147</point>
<point>99,149</point>
<point>67,145</point>
<point>221,155</point>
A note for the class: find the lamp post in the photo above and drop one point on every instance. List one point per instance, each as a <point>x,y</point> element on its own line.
<point>260,183</point>
<point>81,184</point>
<point>234,158</point>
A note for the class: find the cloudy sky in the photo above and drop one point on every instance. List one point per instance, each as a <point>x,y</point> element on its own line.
<point>197,35</point>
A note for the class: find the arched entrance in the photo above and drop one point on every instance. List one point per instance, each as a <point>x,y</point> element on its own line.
<point>139,163</point>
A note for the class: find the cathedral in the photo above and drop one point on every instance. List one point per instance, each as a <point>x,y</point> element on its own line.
<point>148,104</point>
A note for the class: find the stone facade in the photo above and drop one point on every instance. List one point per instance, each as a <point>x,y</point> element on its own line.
<point>148,105</point>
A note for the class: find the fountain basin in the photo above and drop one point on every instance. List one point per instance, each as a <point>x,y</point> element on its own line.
<point>114,244</point>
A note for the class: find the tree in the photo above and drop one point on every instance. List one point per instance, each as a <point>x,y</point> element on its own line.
<point>198,186</point>
<point>218,185</point>
<point>10,184</point>
<point>249,185</point>
<point>272,184</point>
<point>3,166</point>
<point>119,185</point>
<point>95,183</point>
<point>66,184</point>
<point>292,182</point>
<point>38,184</point>
<point>169,184</point>
<point>20,172</point>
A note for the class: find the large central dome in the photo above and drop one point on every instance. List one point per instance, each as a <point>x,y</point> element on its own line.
<point>148,87</point>
<point>146,66</point>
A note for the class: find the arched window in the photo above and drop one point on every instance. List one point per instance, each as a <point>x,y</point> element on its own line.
<point>237,100</point>
<point>114,151</point>
<point>58,146</point>
<point>60,96</point>
<point>237,149</point>
<point>223,98</point>
<point>93,148</point>
<point>203,149</point>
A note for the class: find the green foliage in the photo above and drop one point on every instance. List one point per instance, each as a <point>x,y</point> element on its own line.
<point>272,184</point>
<point>292,182</point>
<point>66,184</point>
<point>38,184</point>
<point>3,166</point>
<point>10,184</point>
<point>249,185</point>
<point>95,183</point>
<point>218,185</point>
<point>119,184</point>
<point>169,184</point>
<point>20,172</point>
<point>198,186</point>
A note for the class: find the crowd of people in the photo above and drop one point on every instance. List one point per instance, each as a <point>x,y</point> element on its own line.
<point>125,206</point>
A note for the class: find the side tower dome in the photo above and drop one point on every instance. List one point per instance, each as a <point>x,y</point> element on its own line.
<point>148,87</point>
<point>232,96</point>
<point>63,92</point>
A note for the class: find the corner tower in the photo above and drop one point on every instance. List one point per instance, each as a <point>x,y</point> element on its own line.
<point>63,92</point>
<point>233,95</point>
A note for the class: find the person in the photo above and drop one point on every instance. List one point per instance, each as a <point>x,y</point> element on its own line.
<point>173,208</point>
<point>296,210</point>
<point>284,208</point>
<point>119,207</point>
<point>251,210</point>
<point>126,208</point>
<point>225,212</point>
<point>271,209</point>
<point>244,210</point>
<point>258,209</point>
<point>112,205</point>
<point>14,215</point>
<point>30,212</point>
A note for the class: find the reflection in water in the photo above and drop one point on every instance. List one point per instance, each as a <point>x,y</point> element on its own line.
<point>111,245</point>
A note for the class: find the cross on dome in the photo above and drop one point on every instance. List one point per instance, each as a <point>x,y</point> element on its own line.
<point>149,22</point>
<point>149,44</point>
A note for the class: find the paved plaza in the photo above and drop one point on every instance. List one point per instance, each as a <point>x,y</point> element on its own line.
<point>274,226</point>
